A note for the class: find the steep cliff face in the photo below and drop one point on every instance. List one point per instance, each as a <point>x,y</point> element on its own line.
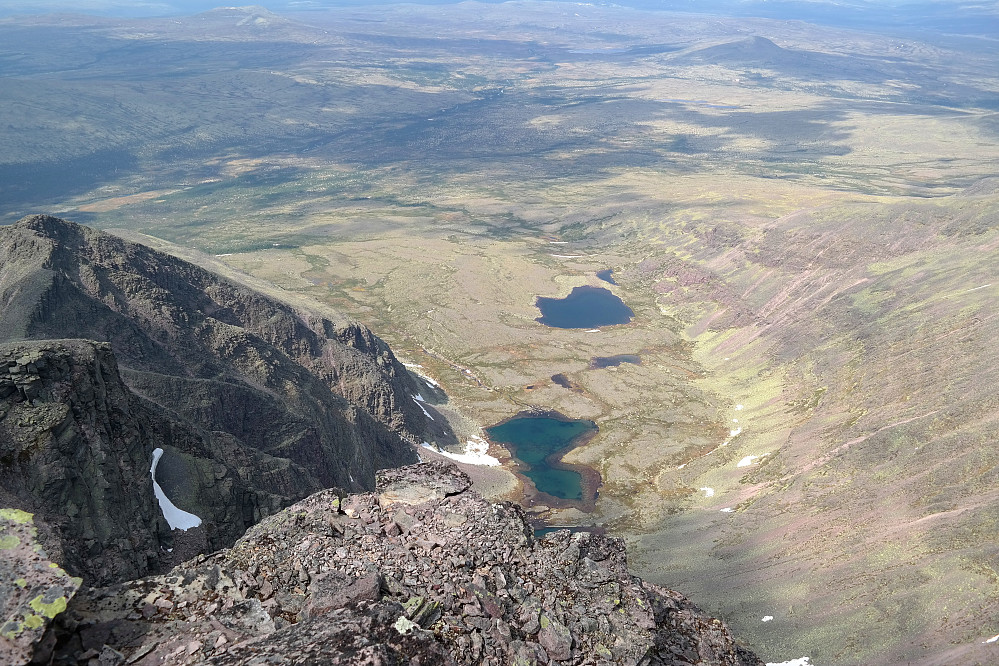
<point>423,571</point>
<point>168,316</point>
<point>76,448</point>
<point>254,405</point>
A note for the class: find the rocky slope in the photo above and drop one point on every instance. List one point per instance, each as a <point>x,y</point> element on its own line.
<point>422,571</point>
<point>110,350</point>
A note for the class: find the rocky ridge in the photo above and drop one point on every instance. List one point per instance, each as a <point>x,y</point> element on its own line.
<point>421,571</point>
<point>110,350</point>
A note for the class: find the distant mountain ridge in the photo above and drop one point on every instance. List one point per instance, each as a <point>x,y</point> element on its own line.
<point>113,349</point>
<point>758,52</point>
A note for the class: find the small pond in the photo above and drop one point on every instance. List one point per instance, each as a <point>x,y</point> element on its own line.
<point>605,275</point>
<point>562,381</point>
<point>538,442</point>
<point>584,307</point>
<point>613,361</point>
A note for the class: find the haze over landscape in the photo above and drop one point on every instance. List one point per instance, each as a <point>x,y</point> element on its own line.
<point>797,202</point>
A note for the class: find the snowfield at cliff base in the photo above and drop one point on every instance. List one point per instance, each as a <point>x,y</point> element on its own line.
<point>177,518</point>
<point>475,453</point>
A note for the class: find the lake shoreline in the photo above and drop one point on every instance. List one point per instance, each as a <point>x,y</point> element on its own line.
<point>590,479</point>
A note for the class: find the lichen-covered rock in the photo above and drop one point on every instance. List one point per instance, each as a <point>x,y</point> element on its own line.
<point>398,486</point>
<point>33,590</point>
<point>351,580</point>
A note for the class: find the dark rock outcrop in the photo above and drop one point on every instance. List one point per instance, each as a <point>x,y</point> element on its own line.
<point>423,571</point>
<point>76,447</point>
<point>109,350</point>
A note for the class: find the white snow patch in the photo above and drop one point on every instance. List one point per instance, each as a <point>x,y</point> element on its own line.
<point>801,661</point>
<point>735,432</point>
<point>227,254</point>
<point>428,380</point>
<point>178,519</point>
<point>592,330</point>
<point>766,618</point>
<point>682,466</point>
<point>422,408</point>
<point>748,460</point>
<point>991,640</point>
<point>419,397</point>
<point>566,256</point>
<point>727,510</point>
<point>475,453</point>
<point>982,287</point>
<point>708,492</point>
<point>559,242</point>
<point>738,408</point>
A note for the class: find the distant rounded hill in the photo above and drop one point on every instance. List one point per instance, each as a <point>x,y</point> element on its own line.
<point>750,51</point>
<point>760,52</point>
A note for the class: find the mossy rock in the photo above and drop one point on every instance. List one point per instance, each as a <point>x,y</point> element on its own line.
<point>33,590</point>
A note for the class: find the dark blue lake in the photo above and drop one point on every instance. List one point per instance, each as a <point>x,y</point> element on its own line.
<point>612,361</point>
<point>538,443</point>
<point>605,275</point>
<point>584,307</point>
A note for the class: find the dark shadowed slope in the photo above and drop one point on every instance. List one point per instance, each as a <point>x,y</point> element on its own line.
<point>255,405</point>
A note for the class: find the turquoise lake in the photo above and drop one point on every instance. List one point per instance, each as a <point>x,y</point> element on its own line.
<point>535,441</point>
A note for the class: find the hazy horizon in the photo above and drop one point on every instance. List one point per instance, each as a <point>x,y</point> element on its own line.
<point>944,16</point>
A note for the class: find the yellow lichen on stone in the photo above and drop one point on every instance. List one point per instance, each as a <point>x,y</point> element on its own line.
<point>20,582</point>
<point>34,621</point>
<point>9,541</point>
<point>16,516</point>
<point>49,610</point>
<point>11,630</point>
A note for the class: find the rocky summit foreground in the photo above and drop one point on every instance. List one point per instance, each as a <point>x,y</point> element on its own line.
<point>422,571</point>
